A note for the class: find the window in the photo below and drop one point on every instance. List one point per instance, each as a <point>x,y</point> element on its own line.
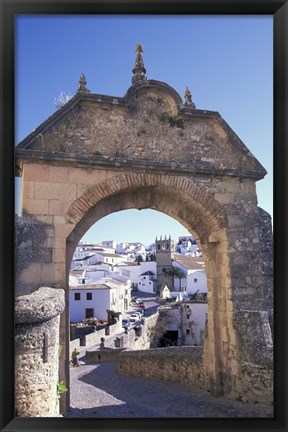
<point>187,332</point>
<point>195,280</point>
<point>89,313</point>
<point>77,296</point>
<point>88,296</point>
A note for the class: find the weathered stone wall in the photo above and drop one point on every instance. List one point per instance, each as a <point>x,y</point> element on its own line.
<point>103,355</point>
<point>149,127</point>
<point>144,341</point>
<point>33,254</point>
<point>37,317</point>
<point>178,364</point>
<point>140,338</point>
<point>249,356</point>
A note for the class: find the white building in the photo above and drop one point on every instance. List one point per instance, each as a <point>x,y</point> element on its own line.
<point>121,248</point>
<point>134,270</point>
<point>187,321</point>
<point>188,246</point>
<point>110,244</point>
<point>193,321</point>
<point>96,299</point>
<point>194,272</point>
<point>147,282</point>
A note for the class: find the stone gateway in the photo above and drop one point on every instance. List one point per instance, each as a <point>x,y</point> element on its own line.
<point>150,150</point>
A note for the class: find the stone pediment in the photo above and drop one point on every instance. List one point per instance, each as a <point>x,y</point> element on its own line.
<point>149,126</point>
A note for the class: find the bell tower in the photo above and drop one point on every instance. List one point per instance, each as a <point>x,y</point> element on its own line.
<point>165,249</point>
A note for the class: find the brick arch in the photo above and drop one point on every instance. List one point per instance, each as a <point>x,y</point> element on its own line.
<point>183,190</point>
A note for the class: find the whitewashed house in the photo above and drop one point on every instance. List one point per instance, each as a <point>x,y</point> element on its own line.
<point>109,245</point>
<point>109,258</point>
<point>98,299</point>
<point>121,248</point>
<point>193,321</point>
<point>165,292</point>
<point>147,282</point>
<point>194,272</point>
<point>134,270</point>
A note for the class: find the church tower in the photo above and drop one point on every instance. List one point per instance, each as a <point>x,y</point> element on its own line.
<point>165,249</point>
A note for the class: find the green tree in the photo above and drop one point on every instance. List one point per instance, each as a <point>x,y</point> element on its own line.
<point>175,272</point>
<point>153,257</point>
<point>139,259</point>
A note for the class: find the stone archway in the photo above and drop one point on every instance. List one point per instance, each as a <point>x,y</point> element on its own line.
<point>195,209</point>
<point>101,154</point>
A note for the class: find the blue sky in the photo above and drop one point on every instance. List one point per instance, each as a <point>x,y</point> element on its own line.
<point>226,62</point>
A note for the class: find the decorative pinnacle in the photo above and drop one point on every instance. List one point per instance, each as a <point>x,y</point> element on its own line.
<point>82,84</point>
<point>188,99</point>
<point>139,68</point>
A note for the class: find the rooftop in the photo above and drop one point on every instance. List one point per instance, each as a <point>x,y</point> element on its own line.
<point>190,263</point>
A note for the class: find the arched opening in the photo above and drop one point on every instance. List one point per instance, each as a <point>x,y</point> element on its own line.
<point>201,215</point>
<point>143,221</point>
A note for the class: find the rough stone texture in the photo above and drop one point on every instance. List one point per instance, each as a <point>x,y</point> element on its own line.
<point>147,124</point>
<point>32,252</point>
<point>178,364</point>
<point>256,356</point>
<point>41,305</point>
<point>98,155</point>
<point>37,353</point>
<point>103,355</point>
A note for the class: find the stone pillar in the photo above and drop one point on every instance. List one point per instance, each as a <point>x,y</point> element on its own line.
<point>251,259</point>
<point>37,318</point>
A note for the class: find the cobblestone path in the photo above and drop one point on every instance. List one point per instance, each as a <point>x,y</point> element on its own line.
<point>98,391</point>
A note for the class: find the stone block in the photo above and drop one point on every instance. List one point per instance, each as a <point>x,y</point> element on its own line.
<point>46,219</point>
<point>54,191</point>
<point>236,221</point>
<point>35,172</point>
<point>225,197</point>
<point>58,174</point>
<point>63,231</point>
<point>59,220</point>
<point>35,206</point>
<point>47,273</point>
<point>31,273</point>
<point>59,255</point>
<point>28,190</point>
<point>60,273</point>
<point>79,175</point>
<point>58,207</point>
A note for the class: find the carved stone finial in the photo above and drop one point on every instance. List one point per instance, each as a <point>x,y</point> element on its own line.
<point>139,68</point>
<point>82,84</point>
<point>188,99</point>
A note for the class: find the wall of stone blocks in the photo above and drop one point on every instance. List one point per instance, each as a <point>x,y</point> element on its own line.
<point>103,355</point>
<point>179,364</point>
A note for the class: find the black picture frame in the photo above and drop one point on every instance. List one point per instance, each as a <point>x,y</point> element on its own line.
<point>10,8</point>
